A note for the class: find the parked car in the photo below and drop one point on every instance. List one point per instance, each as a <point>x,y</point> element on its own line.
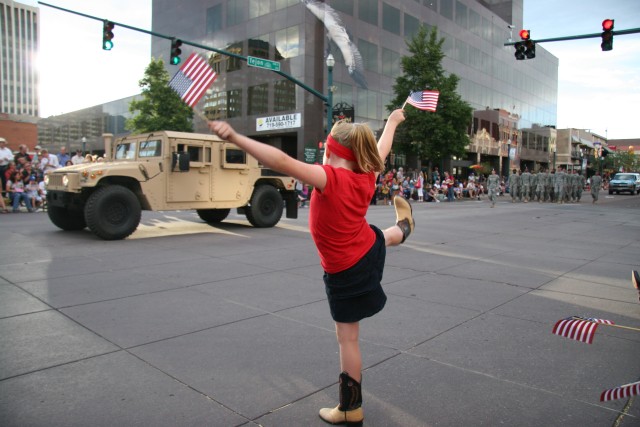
<point>625,181</point>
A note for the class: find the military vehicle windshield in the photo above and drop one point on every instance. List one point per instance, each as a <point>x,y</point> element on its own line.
<point>126,151</point>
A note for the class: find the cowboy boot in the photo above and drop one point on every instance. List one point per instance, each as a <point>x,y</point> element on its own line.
<point>404,216</point>
<point>349,411</point>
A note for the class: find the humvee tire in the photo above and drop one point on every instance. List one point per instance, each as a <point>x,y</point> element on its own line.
<point>265,209</point>
<point>112,212</point>
<point>66,219</point>
<point>213,216</point>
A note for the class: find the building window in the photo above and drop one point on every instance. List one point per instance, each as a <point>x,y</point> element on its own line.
<point>368,11</point>
<point>446,9</point>
<point>344,6</point>
<point>461,14</point>
<point>287,43</point>
<point>234,63</point>
<point>284,95</point>
<point>411,25</point>
<point>461,51</point>
<point>281,4</point>
<point>369,52</point>
<point>214,19</point>
<point>235,11</point>
<point>390,63</point>
<point>258,99</point>
<point>258,8</point>
<point>475,23</point>
<point>259,46</point>
<point>390,19</point>
<point>431,4</point>
<point>367,104</point>
<point>234,103</point>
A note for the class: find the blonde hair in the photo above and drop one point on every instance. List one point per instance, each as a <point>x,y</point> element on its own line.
<point>360,139</point>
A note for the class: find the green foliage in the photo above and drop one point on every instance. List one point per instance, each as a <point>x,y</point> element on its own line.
<point>430,135</point>
<point>160,107</point>
<point>622,158</point>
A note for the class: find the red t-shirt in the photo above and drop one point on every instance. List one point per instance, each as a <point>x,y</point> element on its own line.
<point>337,218</point>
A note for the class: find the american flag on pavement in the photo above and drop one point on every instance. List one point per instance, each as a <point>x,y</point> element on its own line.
<point>627,390</point>
<point>579,329</point>
<point>193,79</point>
<point>424,100</point>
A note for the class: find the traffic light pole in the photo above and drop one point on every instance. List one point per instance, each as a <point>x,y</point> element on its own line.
<point>580,36</point>
<point>309,89</point>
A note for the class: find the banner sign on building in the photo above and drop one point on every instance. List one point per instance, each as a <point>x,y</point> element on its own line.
<point>284,121</point>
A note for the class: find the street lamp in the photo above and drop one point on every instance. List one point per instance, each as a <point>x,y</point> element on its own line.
<point>84,145</point>
<point>553,148</point>
<point>330,63</point>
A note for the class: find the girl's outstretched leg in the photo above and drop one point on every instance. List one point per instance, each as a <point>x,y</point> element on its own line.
<point>404,223</point>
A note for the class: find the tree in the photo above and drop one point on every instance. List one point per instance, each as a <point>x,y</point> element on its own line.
<point>430,135</point>
<point>160,107</point>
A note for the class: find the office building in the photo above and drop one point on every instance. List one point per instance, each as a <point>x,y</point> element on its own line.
<point>19,41</point>
<point>275,110</point>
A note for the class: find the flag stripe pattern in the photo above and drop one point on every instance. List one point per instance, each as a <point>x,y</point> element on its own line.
<point>593,319</point>
<point>193,79</point>
<point>576,329</point>
<point>424,100</point>
<point>623,391</point>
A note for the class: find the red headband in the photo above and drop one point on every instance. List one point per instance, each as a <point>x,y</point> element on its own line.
<point>340,150</point>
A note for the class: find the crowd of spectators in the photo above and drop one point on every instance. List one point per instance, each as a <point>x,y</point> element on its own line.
<point>421,186</point>
<point>23,175</point>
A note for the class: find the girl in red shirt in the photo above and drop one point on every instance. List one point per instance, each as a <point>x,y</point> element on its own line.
<point>352,252</point>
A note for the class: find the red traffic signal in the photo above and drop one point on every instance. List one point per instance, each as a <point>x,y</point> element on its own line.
<point>525,34</point>
<point>607,35</point>
<point>607,25</point>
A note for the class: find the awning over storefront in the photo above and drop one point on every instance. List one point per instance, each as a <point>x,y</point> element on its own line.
<point>581,141</point>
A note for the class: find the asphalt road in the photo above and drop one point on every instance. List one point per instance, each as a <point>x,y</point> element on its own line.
<point>185,324</point>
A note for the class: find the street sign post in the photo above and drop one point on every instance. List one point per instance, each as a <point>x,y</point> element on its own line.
<point>252,61</point>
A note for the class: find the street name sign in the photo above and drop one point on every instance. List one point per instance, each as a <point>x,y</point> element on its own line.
<point>252,61</point>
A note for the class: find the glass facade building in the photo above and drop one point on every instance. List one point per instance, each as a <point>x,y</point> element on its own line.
<point>287,31</point>
<point>19,41</point>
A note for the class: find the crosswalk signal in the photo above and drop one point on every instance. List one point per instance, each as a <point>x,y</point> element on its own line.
<point>107,35</point>
<point>175,51</point>
<point>607,35</point>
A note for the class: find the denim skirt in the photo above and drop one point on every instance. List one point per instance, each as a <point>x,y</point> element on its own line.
<point>356,292</point>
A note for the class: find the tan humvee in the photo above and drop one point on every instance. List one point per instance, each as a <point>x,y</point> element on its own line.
<point>162,171</point>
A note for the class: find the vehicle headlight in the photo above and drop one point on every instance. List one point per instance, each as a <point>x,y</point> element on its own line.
<point>65,180</point>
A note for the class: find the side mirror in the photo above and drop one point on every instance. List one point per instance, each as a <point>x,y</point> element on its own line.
<point>181,160</point>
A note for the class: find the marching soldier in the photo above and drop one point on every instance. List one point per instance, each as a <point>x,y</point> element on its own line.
<point>514,184</point>
<point>581,183</point>
<point>541,184</point>
<point>493,186</point>
<point>534,185</point>
<point>549,196</point>
<point>525,184</point>
<point>596,183</point>
<point>558,185</point>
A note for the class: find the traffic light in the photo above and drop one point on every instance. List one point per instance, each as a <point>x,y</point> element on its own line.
<point>529,45</point>
<point>607,35</point>
<point>519,50</point>
<point>107,35</point>
<point>175,51</point>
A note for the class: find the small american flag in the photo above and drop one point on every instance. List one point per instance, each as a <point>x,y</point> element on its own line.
<point>627,390</point>
<point>576,329</point>
<point>193,79</point>
<point>424,100</point>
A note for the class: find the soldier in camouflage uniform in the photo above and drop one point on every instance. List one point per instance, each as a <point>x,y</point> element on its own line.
<point>551,176</point>
<point>567,187</point>
<point>581,183</point>
<point>514,184</point>
<point>493,186</point>
<point>525,184</point>
<point>558,185</point>
<point>575,182</point>
<point>541,183</point>
<point>534,185</point>
<point>596,183</point>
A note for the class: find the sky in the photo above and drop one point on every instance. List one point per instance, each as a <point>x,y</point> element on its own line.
<point>596,90</point>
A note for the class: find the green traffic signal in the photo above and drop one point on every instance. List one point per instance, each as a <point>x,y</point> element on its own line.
<point>175,51</point>
<point>107,35</point>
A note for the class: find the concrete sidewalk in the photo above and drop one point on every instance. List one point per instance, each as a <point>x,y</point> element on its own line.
<point>185,324</point>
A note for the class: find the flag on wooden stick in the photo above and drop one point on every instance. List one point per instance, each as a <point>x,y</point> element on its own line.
<point>193,79</point>
<point>579,329</point>
<point>424,99</point>
<point>627,390</point>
